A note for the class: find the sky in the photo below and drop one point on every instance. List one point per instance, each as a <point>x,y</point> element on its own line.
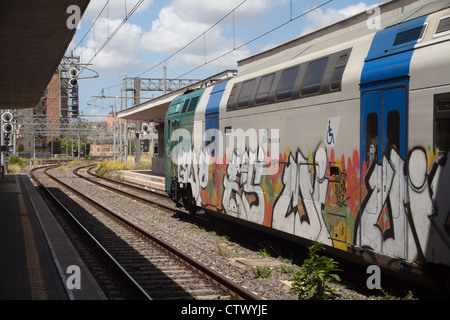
<point>194,39</point>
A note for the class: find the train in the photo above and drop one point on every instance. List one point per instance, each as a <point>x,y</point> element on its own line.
<point>343,141</point>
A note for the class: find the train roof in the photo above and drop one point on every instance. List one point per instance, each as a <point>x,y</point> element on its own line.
<point>391,13</point>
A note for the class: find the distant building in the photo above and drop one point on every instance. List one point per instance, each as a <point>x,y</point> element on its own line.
<point>40,125</point>
<point>102,138</point>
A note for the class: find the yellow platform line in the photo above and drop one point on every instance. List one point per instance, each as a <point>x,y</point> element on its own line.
<point>37,283</point>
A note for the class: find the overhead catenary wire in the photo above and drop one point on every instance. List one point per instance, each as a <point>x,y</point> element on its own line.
<point>192,41</point>
<point>203,34</point>
<point>110,36</point>
<point>258,37</point>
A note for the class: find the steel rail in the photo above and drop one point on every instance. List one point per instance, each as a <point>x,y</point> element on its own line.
<point>127,194</point>
<point>137,288</point>
<point>220,279</point>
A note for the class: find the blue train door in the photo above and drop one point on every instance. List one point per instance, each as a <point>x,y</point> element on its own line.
<point>384,126</point>
<point>384,109</point>
<point>384,122</point>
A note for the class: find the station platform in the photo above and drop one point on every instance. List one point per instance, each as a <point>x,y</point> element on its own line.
<point>35,253</point>
<point>145,178</point>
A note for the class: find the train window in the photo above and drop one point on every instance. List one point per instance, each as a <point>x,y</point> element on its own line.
<point>442,122</point>
<point>287,83</point>
<point>372,137</point>
<point>336,79</point>
<point>313,77</point>
<point>176,108</point>
<point>443,26</point>
<point>262,95</point>
<point>231,105</point>
<point>343,58</point>
<point>193,104</point>
<point>186,104</point>
<point>393,130</point>
<point>410,35</point>
<point>245,93</point>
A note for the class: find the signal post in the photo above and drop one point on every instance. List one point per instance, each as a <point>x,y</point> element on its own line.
<point>6,130</point>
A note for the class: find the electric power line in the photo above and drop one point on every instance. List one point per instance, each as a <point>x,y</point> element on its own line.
<point>259,37</point>
<point>198,37</point>
<point>291,19</point>
<point>110,37</point>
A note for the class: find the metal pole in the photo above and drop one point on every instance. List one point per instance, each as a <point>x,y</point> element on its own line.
<point>2,157</point>
<point>120,132</point>
<point>79,142</point>
<point>14,135</point>
<point>114,115</point>
<point>164,80</point>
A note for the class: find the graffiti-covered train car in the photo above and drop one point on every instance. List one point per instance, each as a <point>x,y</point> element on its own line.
<point>343,141</point>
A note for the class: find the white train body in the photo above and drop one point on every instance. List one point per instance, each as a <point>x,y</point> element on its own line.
<point>342,141</point>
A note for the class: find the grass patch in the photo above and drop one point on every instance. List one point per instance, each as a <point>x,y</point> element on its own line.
<point>105,168</point>
<point>262,272</point>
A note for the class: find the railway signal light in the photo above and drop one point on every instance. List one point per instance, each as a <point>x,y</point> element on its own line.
<point>73,82</point>
<point>73,72</point>
<point>7,117</point>
<point>73,92</point>
<point>7,128</point>
<point>145,128</point>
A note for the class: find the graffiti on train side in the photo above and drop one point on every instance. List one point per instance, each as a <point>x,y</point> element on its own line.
<point>399,207</point>
<point>401,203</point>
<point>243,195</point>
<point>193,169</point>
<point>304,181</point>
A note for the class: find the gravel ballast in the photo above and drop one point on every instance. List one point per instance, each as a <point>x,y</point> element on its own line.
<point>218,252</point>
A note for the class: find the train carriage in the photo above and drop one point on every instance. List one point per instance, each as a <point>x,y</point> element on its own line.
<point>343,141</point>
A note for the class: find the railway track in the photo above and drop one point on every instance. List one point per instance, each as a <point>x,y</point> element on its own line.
<point>149,210</point>
<point>153,268</point>
<point>128,190</point>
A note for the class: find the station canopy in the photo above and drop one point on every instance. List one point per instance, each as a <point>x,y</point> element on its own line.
<point>155,110</point>
<point>34,38</point>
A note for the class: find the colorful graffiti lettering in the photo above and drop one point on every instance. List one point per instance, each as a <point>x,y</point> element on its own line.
<point>304,183</point>
<point>243,195</point>
<point>390,207</point>
<point>400,204</point>
<point>194,170</point>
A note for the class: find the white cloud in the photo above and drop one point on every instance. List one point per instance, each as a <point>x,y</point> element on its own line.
<point>120,54</point>
<point>185,20</point>
<point>318,19</point>
<point>170,32</point>
<point>210,11</point>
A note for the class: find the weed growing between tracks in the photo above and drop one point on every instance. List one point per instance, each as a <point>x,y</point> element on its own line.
<point>312,281</point>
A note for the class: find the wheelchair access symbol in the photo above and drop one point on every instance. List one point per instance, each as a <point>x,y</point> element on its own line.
<point>332,131</point>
